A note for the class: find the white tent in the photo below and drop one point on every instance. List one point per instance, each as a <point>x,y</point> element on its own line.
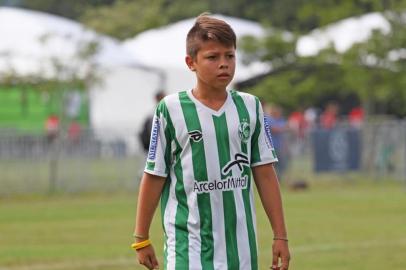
<point>30,37</point>
<point>165,48</point>
<point>30,40</point>
<point>342,34</point>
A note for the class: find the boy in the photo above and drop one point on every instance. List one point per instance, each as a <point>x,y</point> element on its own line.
<point>205,143</point>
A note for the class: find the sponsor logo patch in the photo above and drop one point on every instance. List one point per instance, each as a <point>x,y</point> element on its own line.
<point>154,139</point>
<point>239,160</point>
<point>228,184</point>
<point>196,135</point>
<point>267,126</point>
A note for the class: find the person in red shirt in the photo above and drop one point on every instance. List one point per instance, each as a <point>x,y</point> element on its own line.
<point>52,127</point>
<point>74,130</point>
<point>297,122</point>
<point>356,117</point>
<point>328,118</point>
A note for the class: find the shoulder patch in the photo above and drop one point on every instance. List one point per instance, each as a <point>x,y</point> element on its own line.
<point>267,127</point>
<point>154,139</point>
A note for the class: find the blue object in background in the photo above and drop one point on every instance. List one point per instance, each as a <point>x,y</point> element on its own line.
<point>338,149</point>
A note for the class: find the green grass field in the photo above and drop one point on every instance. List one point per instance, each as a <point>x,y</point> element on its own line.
<point>335,224</point>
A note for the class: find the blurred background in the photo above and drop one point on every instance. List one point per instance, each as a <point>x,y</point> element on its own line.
<point>80,79</point>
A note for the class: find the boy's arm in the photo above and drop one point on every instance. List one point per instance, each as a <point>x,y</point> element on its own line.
<point>149,194</point>
<point>269,192</point>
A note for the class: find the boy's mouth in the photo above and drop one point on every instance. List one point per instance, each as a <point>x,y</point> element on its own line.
<point>223,75</point>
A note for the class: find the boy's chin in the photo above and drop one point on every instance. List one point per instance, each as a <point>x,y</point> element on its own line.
<point>222,86</point>
<point>223,83</point>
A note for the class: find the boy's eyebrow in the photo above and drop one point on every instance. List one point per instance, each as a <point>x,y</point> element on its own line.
<point>215,51</point>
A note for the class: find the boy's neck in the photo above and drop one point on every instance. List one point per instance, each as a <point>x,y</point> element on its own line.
<point>209,93</point>
<point>211,97</point>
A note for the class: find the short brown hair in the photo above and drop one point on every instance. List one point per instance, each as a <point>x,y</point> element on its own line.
<point>207,28</point>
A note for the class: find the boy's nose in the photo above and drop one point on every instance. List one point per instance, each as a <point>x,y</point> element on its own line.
<point>223,65</point>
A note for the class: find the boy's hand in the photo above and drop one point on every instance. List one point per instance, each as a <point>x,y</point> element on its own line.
<point>280,250</point>
<point>146,256</point>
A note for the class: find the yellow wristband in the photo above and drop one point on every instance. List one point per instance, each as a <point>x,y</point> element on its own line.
<point>141,244</point>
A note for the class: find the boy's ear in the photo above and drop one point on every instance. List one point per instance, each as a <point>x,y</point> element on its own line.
<point>190,63</point>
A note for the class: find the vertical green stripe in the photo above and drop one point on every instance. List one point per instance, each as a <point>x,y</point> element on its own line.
<point>181,217</point>
<point>230,216</point>
<point>243,115</point>
<point>200,172</point>
<point>255,156</point>
<point>164,202</point>
<point>169,136</point>
<point>182,210</point>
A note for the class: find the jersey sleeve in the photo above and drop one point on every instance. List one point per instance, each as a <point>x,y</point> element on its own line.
<point>262,149</point>
<point>158,162</point>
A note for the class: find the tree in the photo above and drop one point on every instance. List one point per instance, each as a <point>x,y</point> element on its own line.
<point>70,9</point>
<point>375,69</point>
<point>125,19</point>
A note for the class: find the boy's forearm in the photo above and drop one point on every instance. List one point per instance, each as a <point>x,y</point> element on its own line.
<point>149,194</point>
<point>269,192</point>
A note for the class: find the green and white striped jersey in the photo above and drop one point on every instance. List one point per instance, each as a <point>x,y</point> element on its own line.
<point>207,204</point>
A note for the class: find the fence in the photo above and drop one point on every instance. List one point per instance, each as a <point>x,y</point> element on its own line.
<point>376,149</point>
<point>37,164</point>
<point>90,162</point>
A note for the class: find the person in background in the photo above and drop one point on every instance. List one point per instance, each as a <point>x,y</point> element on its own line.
<point>145,134</point>
<point>74,131</point>
<point>298,125</point>
<point>356,117</point>
<point>279,129</point>
<point>311,115</point>
<point>328,118</point>
<point>52,128</point>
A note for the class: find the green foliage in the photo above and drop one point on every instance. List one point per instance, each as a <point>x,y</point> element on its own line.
<point>176,10</point>
<point>375,77</point>
<point>278,47</point>
<point>70,9</point>
<point>301,84</point>
<point>126,18</point>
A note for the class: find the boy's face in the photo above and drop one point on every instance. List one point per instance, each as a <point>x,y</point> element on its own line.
<point>214,64</point>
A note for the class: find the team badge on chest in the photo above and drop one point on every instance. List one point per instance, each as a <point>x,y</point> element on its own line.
<point>244,131</point>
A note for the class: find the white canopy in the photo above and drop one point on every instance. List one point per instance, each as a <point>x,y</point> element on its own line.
<point>342,34</point>
<point>165,48</point>
<point>30,39</point>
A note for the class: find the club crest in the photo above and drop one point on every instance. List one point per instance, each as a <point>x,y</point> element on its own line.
<point>244,131</point>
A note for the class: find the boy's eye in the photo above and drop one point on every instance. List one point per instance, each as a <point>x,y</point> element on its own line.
<point>230,56</point>
<point>211,57</point>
